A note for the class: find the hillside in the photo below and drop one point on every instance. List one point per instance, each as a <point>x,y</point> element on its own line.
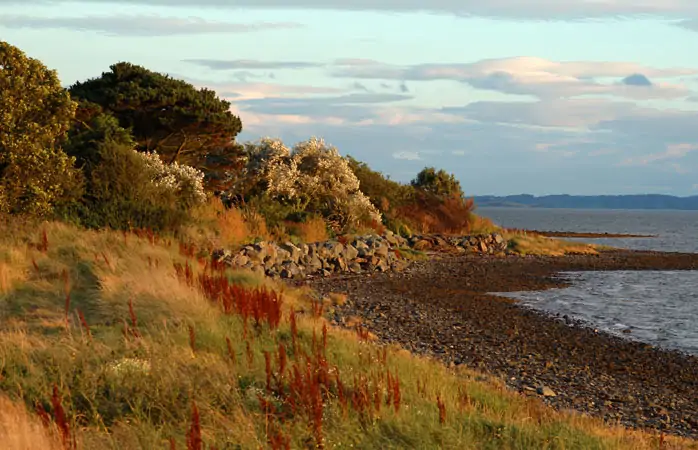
<point>125,341</point>
<point>648,201</point>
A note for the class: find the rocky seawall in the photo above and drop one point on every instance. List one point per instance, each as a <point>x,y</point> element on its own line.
<point>370,253</point>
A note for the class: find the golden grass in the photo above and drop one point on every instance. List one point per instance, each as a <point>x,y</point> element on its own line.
<point>312,230</point>
<point>529,244</point>
<point>20,430</point>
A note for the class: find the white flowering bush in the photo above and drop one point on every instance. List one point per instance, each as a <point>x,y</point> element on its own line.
<point>312,176</point>
<point>186,182</point>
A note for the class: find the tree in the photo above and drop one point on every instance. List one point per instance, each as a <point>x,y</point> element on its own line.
<point>169,116</point>
<point>439,183</point>
<point>35,113</point>
<point>92,127</point>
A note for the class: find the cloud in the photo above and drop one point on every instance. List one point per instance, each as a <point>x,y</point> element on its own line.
<point>636,79</point>
<point>350,107</point>
<point>689,24</point>
<point>560,113</point>
<point>360,87</point>
<point>123,25</point>
<point>250,64</point>
<point>532,76</point>
<point>673,151</point>
<point>408,156</point>
<point>521,9</point>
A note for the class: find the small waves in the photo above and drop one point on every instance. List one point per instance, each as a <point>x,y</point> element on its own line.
<point>657,307</point>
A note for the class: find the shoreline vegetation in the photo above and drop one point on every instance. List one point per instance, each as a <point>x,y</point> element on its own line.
<point>585,234</point>
<point>120,330</point>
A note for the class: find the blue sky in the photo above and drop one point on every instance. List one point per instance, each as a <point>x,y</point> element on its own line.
<point>512,96</point>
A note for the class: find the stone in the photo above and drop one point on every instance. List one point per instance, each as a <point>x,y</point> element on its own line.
<point>545,391</point>
<point>351,253</point>
<point>294,253</point>
<point>239,260</point>
<point>392,239</point>
<point>382,250</point>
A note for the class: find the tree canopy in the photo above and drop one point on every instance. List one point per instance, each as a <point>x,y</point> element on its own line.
<point>35,174</point>
<point>439,183</point>
<point>169,116</point>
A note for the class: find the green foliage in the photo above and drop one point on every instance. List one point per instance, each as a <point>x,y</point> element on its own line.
<point>92,127</point>
<point>35,174</point>
<point>183,124</point>
<point>383,192</point>
<point>274,212</point>
<point>439,183</point>
<point>120,194</point>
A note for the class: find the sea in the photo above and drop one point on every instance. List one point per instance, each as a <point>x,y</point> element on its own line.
<point>656,307</point>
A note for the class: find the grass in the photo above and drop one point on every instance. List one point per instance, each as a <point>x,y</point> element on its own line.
<point>126,342</point>
<point>534,244</point>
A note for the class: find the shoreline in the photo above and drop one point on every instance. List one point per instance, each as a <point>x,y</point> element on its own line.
<point>444,308</point>
<point>589,235</point>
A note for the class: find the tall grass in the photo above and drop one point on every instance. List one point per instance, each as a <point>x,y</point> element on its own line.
<point>159,349</point>
<point>535,244</point>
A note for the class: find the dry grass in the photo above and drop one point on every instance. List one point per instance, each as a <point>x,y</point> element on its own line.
<point>20,430</point>
<point>428,214</point>
<point>527,244</point>
<point>13,270</point>
<point>312,230</point>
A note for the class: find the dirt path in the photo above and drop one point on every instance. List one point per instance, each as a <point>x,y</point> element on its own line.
<point>441,307</point>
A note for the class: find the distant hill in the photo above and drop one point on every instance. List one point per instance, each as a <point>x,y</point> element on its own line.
<point>644,201</point>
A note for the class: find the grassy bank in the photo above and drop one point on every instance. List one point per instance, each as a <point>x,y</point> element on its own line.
<point>124,342</point>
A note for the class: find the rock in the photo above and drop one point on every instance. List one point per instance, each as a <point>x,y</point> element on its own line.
<point>392,239</point>
<point>239,260</point>
<point>294,253</point>
<point>382,250</point>
<point>545,391</point>
<point>355,267</point>
<point>351,253</point>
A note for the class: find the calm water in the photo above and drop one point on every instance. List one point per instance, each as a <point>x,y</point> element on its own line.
<point>658,307</point>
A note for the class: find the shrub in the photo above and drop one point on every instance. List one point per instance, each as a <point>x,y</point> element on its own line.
<point>438,183</point>
<point>312,178</point>
<point>429,213</point>
<point>384,193</point>
<point>35,174</point>
<point>185,182</point>
<point>123,192</point>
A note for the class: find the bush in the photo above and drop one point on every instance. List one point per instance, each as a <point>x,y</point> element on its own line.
<point>439,183</point>
<point>123,192</point>
<point>429,213</point>
<point>384,193</point>
<point>35,174</point>
<point>311,178</point>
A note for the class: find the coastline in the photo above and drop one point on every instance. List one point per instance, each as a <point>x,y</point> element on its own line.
<point>443,307</point>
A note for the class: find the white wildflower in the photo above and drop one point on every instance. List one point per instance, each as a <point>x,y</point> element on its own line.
<point>124,366</point>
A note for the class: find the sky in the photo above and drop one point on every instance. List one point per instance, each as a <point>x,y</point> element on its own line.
<point>582,97</point>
